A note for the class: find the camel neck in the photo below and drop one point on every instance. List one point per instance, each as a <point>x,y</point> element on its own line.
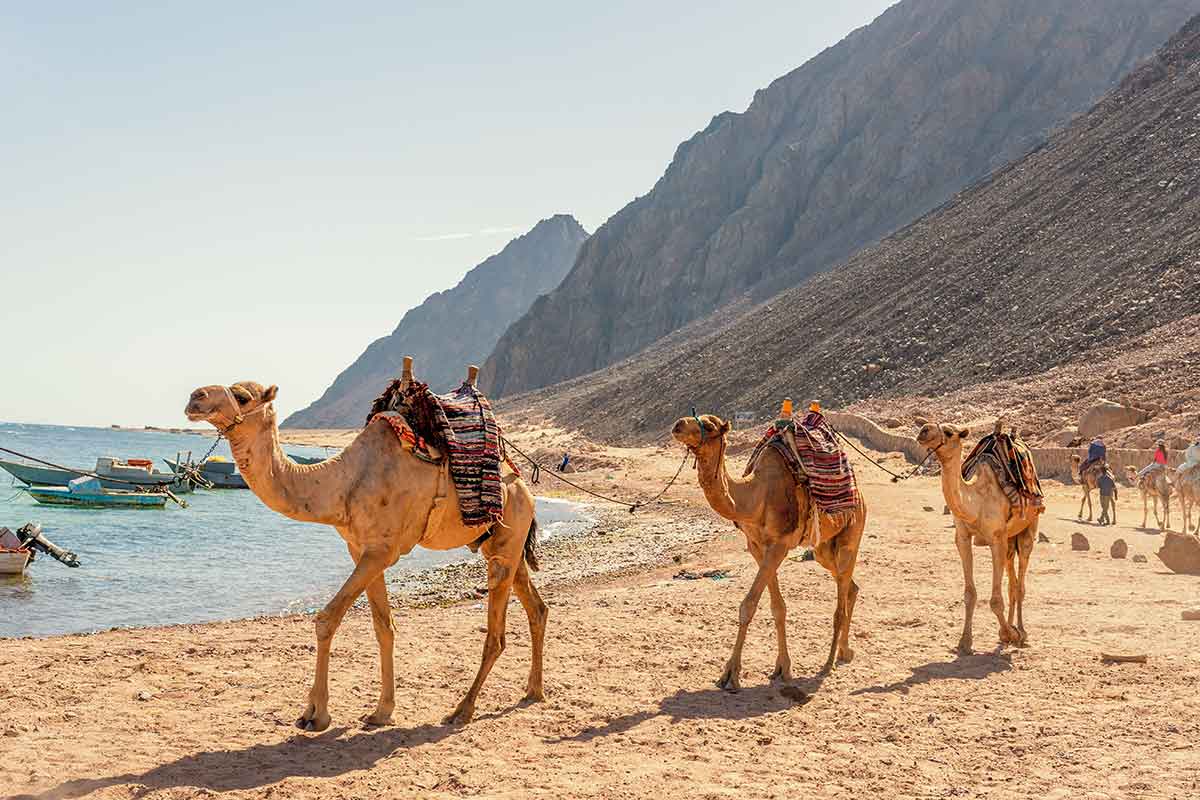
<point>721,491</point>
<point>954,489</point>
<point>307,493</point>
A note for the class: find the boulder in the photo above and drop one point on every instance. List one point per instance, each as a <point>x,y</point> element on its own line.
<point>1109,416</point>
<point>1043,538</point>
<point>1119,549</point>
<point>1079,542</point>
<point>1181,553</point>
<point>1061,438</point>
<point>1138,558</point>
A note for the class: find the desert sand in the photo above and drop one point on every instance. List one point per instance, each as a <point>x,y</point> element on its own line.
<point>632,654</point>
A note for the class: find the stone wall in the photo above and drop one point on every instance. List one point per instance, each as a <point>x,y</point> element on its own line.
<point>1052,462</point>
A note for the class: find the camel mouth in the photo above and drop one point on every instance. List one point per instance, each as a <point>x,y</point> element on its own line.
<point>195,416</point>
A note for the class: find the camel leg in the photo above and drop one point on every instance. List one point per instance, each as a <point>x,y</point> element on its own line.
<point>999,559</point>
<point>845,562</point>
<point>773,555</point>
<point>962,540</point>
<point>501,575</point>
<point>369,566</point>
<point>1025,543</point>
<point>385,635</point>
<point>1010,567</point>
<point>783,661</point>
<point>536,610</point>
<point>1145,510</point>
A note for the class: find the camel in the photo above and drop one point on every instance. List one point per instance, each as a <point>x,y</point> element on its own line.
<point>1088,482</point>
<point>383,501</point>
<point>1187,484</point>
<point>984,514</point>
<point>1154,485</point>
<point>773,511</point>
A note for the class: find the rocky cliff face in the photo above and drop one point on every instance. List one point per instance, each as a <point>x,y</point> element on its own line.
<point>857,142</point>
<point>453,328</point>
<point>1065,276</point>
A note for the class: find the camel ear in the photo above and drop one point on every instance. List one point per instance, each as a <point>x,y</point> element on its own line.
<point>724,429</point>
<point>964,432</point>
<point>269,394</point>
<point>240,394</point>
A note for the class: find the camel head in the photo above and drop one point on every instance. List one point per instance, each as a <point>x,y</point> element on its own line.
<point>226,406</point>
<point>697,432</point>
<point>943,440</point>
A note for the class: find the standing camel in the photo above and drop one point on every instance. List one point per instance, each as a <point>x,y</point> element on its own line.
<point>773,511</point>
<point>1154,485</point>
<point>984,514</point>
<point>383,501</point>
<point>1187,484</point>
<point>1088,480</point>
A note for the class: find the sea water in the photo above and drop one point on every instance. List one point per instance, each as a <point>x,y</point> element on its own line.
<point>226,556</point>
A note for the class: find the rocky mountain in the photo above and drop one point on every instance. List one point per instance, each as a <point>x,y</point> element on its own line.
<point>857,142</point>
<point>1061,278</point>
<point>453,328</point>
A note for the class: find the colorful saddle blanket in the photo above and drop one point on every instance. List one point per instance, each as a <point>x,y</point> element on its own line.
<point>1012,463</point>
<point>460,424</point>
<point>817,460</point>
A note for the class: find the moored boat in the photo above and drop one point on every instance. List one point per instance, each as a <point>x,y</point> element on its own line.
<point>221,472</point>
<point>89,493</point>
<point>114,474</point>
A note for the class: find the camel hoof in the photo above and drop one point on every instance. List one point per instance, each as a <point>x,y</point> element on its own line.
<point>377,719</point>
<point>461,716</point>
<point>729,681</point>
<point>534,696</point>
<point>828,668</point>
<point>314,725</point>
<point>782,673</point>
<point>846,656</point>
<point>965,649</point>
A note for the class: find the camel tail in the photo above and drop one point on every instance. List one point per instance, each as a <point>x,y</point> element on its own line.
<point>531,546</point>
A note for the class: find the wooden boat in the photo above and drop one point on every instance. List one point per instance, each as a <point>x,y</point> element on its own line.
<point>114,474</point>
<point>13,562</point>
<point>88,493</point>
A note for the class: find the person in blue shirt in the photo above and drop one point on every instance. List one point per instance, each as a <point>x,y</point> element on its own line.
<point>1097,454</point>
<point>1108,498</point>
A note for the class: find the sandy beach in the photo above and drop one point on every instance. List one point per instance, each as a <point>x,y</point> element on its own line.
<point>632,653</point>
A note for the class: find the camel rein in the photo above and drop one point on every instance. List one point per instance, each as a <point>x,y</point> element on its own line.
<point>896,478</point>
<point>538,469</point>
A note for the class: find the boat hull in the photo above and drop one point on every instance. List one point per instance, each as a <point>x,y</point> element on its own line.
<point>61,496</point>
<point>13,562</point>
<point>47,476</point>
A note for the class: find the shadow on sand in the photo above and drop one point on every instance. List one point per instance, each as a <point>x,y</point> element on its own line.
<point>974,667</point>
<point>324,755</point>
<point>711,703</point>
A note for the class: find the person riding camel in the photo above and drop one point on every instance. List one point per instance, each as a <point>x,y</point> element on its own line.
<point>1191,458</point>
<point>1161,459</point>
<point>1097,454</point>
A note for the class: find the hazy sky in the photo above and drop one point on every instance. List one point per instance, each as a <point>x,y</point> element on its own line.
<point>203,193</point>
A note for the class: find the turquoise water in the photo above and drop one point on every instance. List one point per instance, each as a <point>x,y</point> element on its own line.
<point>226,556</point>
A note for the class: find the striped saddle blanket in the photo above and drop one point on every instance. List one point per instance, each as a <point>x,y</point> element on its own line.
<point>1012,463</point>
<point>461,425</point>
<point>816,459</point>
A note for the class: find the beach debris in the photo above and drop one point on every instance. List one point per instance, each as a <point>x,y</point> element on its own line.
<point>796,694</point>
<point>1119,549</point>
<point>1192,614</point>
<point>688,575</point>
<point>143,696</point>
<point>1080,542</point>
<point>945,511</point>
<point>1138,558</point>
<point>1181,553</point>
<point>1117,658</point>
<point>927,508</point>
<point>1043,538</point>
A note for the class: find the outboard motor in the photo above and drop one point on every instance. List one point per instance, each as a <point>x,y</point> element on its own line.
<point>31,536</point>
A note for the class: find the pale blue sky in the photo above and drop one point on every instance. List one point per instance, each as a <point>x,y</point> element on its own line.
<point>202,193</point>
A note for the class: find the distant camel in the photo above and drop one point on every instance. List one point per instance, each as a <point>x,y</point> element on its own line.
<point>1157,486</point>
<point>1087,481</point>
<point>1187,484</point>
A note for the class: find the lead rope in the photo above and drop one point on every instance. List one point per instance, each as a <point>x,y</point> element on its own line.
<point>539,468</point>
<point>896,478</point>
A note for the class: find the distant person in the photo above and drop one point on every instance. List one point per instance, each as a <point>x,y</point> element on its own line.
<point>1097,454</point>
<point>1161,460</point>
<point>566,459</point>
<point>1191,457</point>
<point>1108,498</point>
